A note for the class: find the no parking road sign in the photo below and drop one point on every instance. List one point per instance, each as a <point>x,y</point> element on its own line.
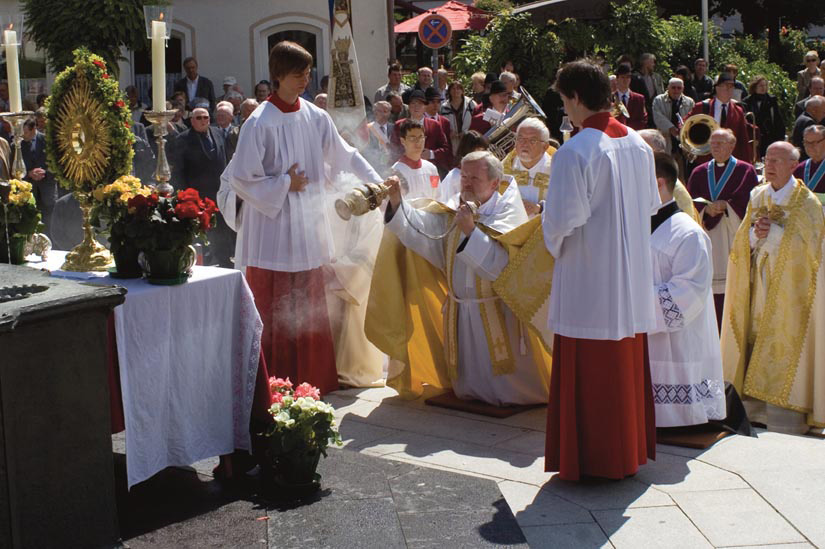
<point>435,31</point>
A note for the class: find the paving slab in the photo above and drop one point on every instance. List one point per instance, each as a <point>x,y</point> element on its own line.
<point>768,453</point>
<point>670,473</point>
<point>798,496</point>
<point>651,527</point>
<point>566,536</point>
<point>736,517</point>
<point>533,506</point>
<point>595,494</point>
<point>463,529</point>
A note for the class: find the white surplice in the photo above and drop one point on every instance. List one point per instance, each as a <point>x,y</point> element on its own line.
<point>283,230</point>
<point>450,185</point>
<point>685,359</point>
<point>483,257</point>
<point>419,180</point>
<point>596,223</point>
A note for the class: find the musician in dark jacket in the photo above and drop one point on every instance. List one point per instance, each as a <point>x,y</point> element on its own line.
<point>767,113</point>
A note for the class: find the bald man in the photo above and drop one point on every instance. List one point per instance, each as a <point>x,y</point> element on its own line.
<point>774,320</point>
<point>814,114</point>
<point>720,189</point>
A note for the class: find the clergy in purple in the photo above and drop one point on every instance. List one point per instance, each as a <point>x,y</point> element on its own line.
<point>812,170</point>
<point>721,189</point>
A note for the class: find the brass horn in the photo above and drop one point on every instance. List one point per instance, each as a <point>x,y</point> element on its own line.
<point>619,108</point>
<point>695,135</point>
<point>502,137</point>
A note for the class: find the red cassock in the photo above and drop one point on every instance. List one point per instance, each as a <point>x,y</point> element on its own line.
<point>735,121</point>
<point>637,111</point>
<point>600,418</point>
<point>297,339</point>
<point>434,140</point>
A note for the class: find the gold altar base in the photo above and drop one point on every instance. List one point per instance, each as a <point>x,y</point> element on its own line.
<point>89,255</point>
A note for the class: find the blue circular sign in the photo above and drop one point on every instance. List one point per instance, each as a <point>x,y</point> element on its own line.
<point>435,31</point>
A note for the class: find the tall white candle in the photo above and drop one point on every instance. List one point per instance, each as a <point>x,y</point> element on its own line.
<point>13,71</point>
<point>158,65</point>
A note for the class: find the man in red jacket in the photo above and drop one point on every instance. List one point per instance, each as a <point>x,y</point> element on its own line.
<point>432,109</point>
<point>729,114</point>
<point>436,146</point>
<point>633,102</point>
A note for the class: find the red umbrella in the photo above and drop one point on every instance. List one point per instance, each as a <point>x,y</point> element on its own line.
<point>461,17</point>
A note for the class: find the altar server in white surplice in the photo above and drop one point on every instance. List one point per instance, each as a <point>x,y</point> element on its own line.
<point>685,360</point>
<point>472,260</point>
<point>419,177</point>
<point>284,235</point>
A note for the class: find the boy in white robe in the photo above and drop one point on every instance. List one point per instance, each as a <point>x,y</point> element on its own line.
<point>284,235</point>
<point>419,177</point>
<point>685,360</point>
<point>470,256</point>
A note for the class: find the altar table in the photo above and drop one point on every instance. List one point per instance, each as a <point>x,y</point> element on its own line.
<point>188,359</point>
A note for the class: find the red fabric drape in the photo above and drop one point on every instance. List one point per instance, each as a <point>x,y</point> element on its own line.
<point>297,339</point>
<point>600,419</point>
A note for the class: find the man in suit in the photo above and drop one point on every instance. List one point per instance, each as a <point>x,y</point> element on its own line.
<point>44,185</point>
<point>669,111</point>
<point>199,159</point>
<point>195,85</point>
<point>633,102</point>
<point>702,83</point>
<point>647,82</point>
<point>816,87</point>
<point>436,146</point>
<point>223,125</point>
<point>433,97</point>
<point>814,115</point>
<point>380,131</point>
<point>729,114</point>
<point>425,80</point>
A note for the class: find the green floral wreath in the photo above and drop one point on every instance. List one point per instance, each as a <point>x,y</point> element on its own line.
<point>88,126</point>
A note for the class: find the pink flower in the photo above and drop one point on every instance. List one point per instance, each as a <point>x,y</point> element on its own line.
<point>307,390</point>
<point>277,398</point>
<point>279,385</point>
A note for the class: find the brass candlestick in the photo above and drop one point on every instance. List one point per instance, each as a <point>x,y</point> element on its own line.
<point>160,122</point>
<point>16,120</point>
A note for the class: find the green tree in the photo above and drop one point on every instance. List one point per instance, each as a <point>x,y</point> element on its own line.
<point>636,28</point>
<point>58,27</point>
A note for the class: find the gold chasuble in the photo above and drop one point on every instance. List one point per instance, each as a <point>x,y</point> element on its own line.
<point>411,317</point>
<point>522,177</point>
<point>773,331</point>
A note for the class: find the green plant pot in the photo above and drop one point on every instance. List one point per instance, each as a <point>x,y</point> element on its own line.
<point>126,261</point>
<point>169,267</point>
<point>16,246</point>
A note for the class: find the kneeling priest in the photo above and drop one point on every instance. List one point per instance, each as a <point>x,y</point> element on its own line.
<point>488,353</point>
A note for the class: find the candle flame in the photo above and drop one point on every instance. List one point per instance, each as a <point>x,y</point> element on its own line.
<point>161,17</point>
<point>11,26</point>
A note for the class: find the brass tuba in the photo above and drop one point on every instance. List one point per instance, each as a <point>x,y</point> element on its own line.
<point>619,108</point>
<point>695,135</point>
<point>502,137</point>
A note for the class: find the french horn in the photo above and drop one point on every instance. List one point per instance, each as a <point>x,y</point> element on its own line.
<point>695,135</point>
<point>502,137</point>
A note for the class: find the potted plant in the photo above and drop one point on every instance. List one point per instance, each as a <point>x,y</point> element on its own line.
<point>167,226</point>
<point>112,216</point>
<point>303,427</point>
<point>19,220</point>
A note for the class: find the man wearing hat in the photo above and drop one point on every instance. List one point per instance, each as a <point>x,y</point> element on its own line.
<point>431,111</point>
<point>729,114</point>
<point>436,146</point>
<point>499,100</point>
<point>229,83</point>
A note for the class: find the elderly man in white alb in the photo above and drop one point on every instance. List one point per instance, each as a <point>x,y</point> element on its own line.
<point>484,344</point>
<point>685,361</point>
<point>529,163</point>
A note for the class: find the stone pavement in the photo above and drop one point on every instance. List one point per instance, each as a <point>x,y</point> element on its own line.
<point>767,491</point>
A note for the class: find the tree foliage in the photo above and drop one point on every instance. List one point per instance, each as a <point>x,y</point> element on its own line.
<point>58,27</point>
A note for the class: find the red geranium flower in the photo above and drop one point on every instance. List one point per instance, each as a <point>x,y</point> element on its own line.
<point>127,124</point>
<point>189,195</point>
<point>142,204</point>
<point>206,219</point>
<point>187,210</point>
<point>119,104</point>
<point>210,206</point>
<point>105,76</point>
<point>99,63</point>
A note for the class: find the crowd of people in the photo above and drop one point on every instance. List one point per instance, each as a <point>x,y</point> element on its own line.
<point>673,270</point>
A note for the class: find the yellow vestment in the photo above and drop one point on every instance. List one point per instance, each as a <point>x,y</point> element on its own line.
<point>773,331</point>
<point>411,318</point>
